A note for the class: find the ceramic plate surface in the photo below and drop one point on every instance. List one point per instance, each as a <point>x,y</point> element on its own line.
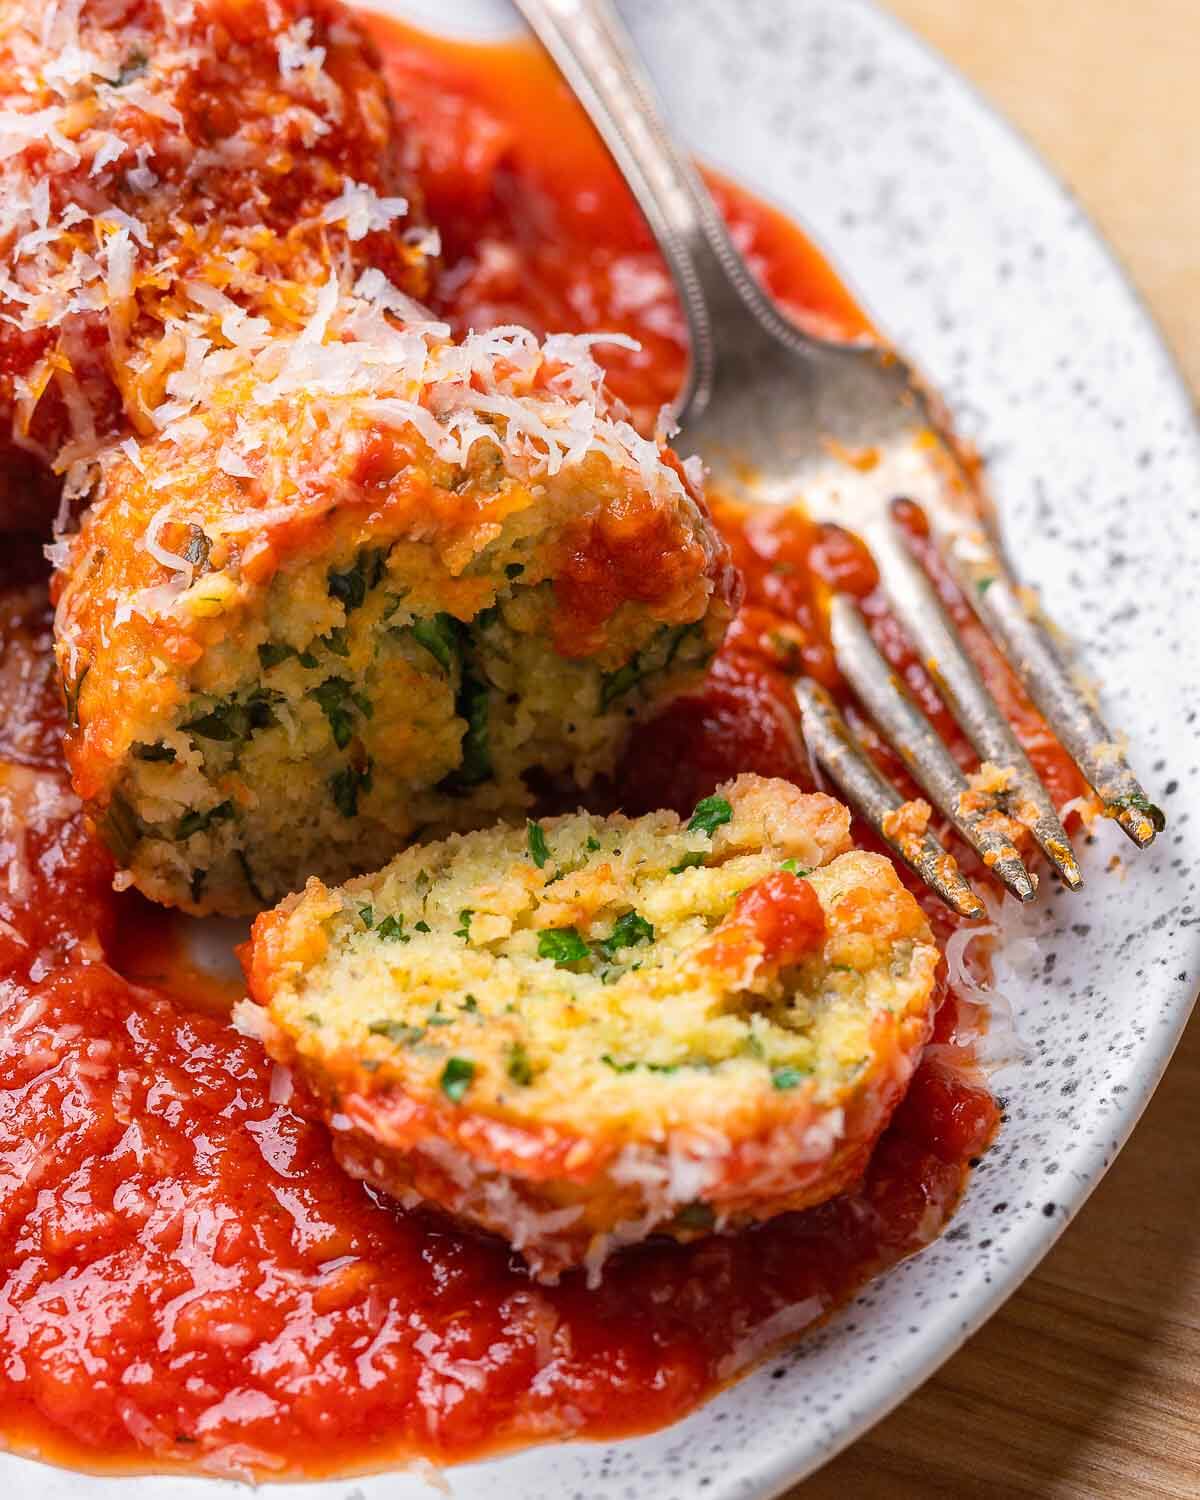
<point>975,261</point>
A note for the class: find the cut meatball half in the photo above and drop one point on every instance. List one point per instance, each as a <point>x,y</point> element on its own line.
<point>584,1031</point>
<point>364,586</point>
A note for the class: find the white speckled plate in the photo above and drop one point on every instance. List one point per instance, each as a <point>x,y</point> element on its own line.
<point>979,264</point>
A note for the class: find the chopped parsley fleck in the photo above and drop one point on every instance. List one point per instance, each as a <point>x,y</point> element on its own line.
<point>457,1077</point>
<point>160,751</point>
<point>710,814</point>
<point>422,882</point>
<point>271,653</point>
<point>658,656</point>
<point>391,930</point>
<point>592,844</point>
<point>470,1004</point>
<point>682,633</point>
<point>274,653</point>
<point>472,705</point>
<point>1139,802</point>
<point>71,692</point>
<point>336,699</point>
<point>351,587</point>
<point>792,866</point>
<point>435,1018</point>
<point>689,861</point>
<point>652,1067</point>
<point>630,929</point>
<point>518,1067</point>
<point>696,1215</point>
<point>248,877</point>
<point>420,926</point>
<point>563,945</point>
<point>538,852</point>
<point>396,1031</point>
<point>336,642</point>
<point>199,822</point>
<point>787,1078</point>
<point>232,722</point>
<point>614,685</point>
<point>441,636</point>
<point>225,722</point>
<point>463,930</point>
<point>367,916</point>
<point>134,66</point>
<point>983,584</point>
<point>345,786</point>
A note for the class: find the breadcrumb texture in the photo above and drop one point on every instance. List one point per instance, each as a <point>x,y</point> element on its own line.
<point>579,1033</point>
<point>172,162</point>
<point>361,585</point>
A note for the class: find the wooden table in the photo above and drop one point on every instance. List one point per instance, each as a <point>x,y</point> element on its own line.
<point>1086,1385</point>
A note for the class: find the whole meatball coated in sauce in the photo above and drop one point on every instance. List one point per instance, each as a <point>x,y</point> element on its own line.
<point>156,158</point>
<point>365,584</point>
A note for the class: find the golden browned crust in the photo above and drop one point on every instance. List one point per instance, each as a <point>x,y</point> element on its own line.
<point>492,478</point>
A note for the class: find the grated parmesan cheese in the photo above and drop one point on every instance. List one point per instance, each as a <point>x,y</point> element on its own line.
<point>360,208</point>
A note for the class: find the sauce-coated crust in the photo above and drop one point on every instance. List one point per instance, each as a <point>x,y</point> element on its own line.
<point>189,558</point>
<point>174,152</point>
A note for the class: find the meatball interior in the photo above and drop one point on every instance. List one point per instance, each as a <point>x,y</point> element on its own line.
<point>348,714</point>
<point>304,627</point>
<point>573,1005</point>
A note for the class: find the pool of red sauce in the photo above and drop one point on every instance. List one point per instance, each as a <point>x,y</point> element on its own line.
<point>186,1278</point>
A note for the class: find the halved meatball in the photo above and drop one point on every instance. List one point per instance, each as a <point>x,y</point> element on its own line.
<point>583,1031</point>
<point>364,585</point>
<point>156,157</point>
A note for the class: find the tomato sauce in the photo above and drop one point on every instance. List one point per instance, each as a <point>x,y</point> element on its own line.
<point>187,1280</point>
<point>778,920</point>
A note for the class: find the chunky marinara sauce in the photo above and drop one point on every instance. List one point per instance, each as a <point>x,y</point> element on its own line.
<point>186,1277</point>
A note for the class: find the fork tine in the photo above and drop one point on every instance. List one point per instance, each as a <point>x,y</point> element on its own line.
<point>962,690</point>
<point>919,746</point>
<point>829,738</point>
<point>1031,650</point>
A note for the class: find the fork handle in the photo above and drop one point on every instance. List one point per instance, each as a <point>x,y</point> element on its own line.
<point>596,56</point>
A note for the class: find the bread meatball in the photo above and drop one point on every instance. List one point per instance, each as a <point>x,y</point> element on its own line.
<point>364,586</point>
<point>580,1032</point>
<point>214,156</point>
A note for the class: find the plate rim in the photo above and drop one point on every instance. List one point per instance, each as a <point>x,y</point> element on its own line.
<point>1022,1266</point>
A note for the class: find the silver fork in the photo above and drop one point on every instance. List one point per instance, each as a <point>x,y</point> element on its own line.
<point>845,429</point>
